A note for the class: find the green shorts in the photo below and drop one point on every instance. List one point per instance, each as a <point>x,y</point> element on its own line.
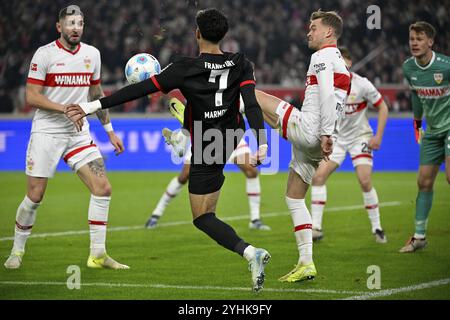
<point>434,148</point>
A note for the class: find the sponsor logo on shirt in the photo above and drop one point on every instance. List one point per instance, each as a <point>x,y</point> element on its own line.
<point>68,79</point>
<point>33,67</point>
<point>424,92</point>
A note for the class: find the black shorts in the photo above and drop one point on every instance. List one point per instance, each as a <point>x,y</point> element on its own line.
<point>204,179</point>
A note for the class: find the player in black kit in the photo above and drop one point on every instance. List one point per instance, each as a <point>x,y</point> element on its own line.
<point>211,84</point>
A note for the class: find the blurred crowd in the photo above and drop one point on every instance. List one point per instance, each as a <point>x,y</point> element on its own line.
<point>271,33</point>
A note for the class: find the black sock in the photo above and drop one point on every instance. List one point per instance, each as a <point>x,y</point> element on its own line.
<point>221,232</point>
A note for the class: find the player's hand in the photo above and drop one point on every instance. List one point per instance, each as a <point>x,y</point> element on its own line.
<point>375,143</point>
<point>418,131</point>
<point>76,115</point>
<point>257,158</point>
<point>116,142</point>
<point>326,143</point>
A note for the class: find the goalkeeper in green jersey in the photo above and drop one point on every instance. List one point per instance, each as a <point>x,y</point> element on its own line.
<point>428,74</point>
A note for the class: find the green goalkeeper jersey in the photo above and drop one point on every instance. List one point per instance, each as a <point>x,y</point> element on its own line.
<point>430,87</point>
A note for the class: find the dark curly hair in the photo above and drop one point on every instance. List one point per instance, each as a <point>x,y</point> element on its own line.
<point>212,23</point>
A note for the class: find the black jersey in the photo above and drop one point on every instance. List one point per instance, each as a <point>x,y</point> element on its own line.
<point>211,84</point>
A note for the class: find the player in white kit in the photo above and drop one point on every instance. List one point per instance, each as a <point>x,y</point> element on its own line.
<point>356,137</point>
<point>310,130</point>
<point>63,72</point>
<point>240,157</point>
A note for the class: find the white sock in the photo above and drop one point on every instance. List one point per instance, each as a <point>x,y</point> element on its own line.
<point>254,197</point>
<point>371,204</point>
<point>98,219</point>
<point>172,190</point>
<point>25,218</point>
<point>302,229</point>
<point>249,253</point>
<point>318,201</point>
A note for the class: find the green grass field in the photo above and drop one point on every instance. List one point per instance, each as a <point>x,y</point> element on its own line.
<point>177,261</point>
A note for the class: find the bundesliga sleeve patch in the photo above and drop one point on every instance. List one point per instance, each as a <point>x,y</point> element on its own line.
<point>319,67</point>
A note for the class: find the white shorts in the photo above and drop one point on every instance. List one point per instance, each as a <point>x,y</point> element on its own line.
<point>358,149</point>
<point>45,150</point>
<point>242,148</point>
<point>306,150</point>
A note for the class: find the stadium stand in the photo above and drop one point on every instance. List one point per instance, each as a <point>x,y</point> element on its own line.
<point>271,33</point>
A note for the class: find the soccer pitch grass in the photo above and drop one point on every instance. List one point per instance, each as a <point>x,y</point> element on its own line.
<point>177,261</point>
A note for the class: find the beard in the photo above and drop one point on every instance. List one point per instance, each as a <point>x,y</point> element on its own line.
<point>312,46</point>
<point>72,43</point>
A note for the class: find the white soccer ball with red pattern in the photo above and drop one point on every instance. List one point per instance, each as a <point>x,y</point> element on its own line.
<point>141,67</point>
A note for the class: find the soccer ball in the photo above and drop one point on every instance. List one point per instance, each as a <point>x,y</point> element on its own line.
<point>141,67</point>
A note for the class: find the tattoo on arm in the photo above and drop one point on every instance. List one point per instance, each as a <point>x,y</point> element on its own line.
<point>97,167</point>
<point>103,116</point>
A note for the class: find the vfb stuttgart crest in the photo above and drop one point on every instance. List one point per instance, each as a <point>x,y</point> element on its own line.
<point>438,77</point>
<point>87,63</point>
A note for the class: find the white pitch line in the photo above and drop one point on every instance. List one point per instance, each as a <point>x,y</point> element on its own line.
<point>182,287</point>
<point>390,292</point>
<point>179,223</point>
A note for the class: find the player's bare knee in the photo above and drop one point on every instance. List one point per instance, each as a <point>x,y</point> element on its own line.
<point>103,189</point>
<point>184,174</point>
<point>425,184</point>
<point>366,184</point>
<point>35,194</point>
<point>250,172</point>
<point>318,180</point>
<point>183,177</point>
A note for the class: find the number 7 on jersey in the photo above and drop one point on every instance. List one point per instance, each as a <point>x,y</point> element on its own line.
<point>222,83</point>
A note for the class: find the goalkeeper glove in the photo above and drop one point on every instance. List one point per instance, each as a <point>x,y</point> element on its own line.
<point>418,131</point>
<point>259,156</point>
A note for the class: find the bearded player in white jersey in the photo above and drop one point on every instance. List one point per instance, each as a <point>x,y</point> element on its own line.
<point>356,137</point>
<point>63,72</point>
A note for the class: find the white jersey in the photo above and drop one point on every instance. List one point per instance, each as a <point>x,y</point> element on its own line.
<point>356,123</point>
<point>327,86</point>
<point>66,77</point>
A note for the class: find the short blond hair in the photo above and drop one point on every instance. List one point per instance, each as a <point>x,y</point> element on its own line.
<point>331,19</point>
<point>425,27</point>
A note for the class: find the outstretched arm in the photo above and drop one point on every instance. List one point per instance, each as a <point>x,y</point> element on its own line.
<point>129,93</point>
<point>256,121</point>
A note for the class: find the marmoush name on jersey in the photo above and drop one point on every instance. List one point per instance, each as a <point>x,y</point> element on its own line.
<point>215,114</point>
